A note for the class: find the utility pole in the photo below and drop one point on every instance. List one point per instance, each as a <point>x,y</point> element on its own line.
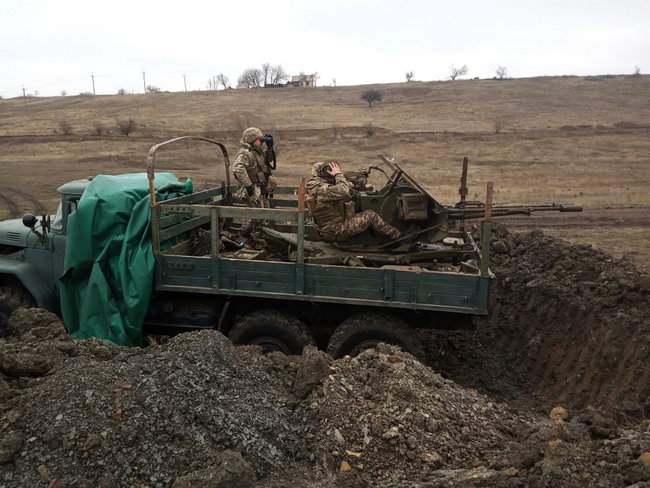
<point>92,77</point>
<point>185,83</point>
<point>144,81</point>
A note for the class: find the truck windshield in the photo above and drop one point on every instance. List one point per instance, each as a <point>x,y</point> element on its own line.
<point>57,221</point>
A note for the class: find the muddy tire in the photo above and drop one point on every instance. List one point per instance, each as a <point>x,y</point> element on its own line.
<point>273,330</point>
<point>365,331</point>
<point>12,297</point>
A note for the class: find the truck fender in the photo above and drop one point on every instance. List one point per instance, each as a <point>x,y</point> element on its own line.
<point>26,275</point>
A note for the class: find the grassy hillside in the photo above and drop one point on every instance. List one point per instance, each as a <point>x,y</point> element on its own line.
<point>582,140</point>
<point>459,106</point>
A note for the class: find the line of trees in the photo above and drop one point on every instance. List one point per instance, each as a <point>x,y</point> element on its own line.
<point>266,75</point>
<point>275,75</point>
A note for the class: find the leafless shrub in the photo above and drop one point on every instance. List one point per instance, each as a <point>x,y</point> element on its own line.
<point>409,76</point>
<point>637,70</point>
<point>372,96</point>
<point>152,89</point>
<point>371,130</point>
<point>126,126</point>
<point>502,73</point>
<point>65,127</point>
<point>99,128</point>
<point>63,93</point>
<point>456,72</point>
<point>121,91</point>
<point>499,124</point>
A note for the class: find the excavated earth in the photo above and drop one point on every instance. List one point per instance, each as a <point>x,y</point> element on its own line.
<point>550,391</point>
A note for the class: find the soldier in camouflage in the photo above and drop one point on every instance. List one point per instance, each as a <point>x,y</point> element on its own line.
<point>250,169</point>
<point>328,193</point>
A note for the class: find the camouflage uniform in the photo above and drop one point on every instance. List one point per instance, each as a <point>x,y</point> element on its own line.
<point>249,169</point>
<point>327,199</point>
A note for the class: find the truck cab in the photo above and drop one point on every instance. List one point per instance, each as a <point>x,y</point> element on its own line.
<point>32,251</point>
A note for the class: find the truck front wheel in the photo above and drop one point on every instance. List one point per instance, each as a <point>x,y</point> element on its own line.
<point>365,331</point>
<point>273,331</point>
<point>12,297</point>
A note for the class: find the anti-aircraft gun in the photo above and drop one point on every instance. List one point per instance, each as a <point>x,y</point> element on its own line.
<point>430,230</point>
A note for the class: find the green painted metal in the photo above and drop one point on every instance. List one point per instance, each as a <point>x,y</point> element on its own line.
<point>435,291</point>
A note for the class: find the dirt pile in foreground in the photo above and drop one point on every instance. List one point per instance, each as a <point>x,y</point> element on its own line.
<point>571,324</point>
<point>199,412</point>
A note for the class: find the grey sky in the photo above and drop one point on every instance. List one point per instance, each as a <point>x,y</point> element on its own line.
<point>51,46</point>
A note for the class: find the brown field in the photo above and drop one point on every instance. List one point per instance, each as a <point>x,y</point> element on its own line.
<point>583,140</point>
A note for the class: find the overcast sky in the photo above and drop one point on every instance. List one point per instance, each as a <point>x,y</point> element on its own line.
<point>53,45</point>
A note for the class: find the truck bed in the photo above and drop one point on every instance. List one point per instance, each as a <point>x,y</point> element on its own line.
<point>393,286</point>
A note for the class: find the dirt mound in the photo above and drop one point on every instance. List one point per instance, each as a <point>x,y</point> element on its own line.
<point>571,325</point>
<point>197,411</point>
<point>386,414</point>
<point>147,416</point>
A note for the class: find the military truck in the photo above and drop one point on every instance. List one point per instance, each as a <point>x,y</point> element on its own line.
<point>280,286</point>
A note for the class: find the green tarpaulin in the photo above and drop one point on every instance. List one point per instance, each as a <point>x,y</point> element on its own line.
<point>109,262</point>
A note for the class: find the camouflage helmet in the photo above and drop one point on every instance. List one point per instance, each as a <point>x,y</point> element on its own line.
<point>321,169</point>
<point>251,134</point>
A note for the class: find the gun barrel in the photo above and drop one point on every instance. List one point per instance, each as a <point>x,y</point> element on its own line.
<point>475,212</point>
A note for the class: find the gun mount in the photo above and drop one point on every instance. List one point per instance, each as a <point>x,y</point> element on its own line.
<point>405,204</point>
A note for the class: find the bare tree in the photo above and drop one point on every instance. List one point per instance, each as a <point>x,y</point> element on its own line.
<point>121,91</point>
<point>372,96</point>
<point>65,127</point>
<point>99,128</point>
<point>278,75</point>
<point>637,70</point>
<point>456,72</point>
<point>409,76</point>
<point>251,78</point>
<point>502,73</point>
<point>223,80</point>
<point>126,126</point>
<point>266,74</point>
<point>63,93</point>
<point>152,89</point>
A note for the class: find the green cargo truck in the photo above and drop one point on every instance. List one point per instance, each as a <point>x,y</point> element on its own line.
<point>283,288</point>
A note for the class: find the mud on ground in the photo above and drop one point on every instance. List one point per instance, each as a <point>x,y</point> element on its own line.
<point>570,328</point>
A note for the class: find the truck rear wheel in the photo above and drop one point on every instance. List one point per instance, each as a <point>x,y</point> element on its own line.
<point>365,331</point>
<point>12,297</point>
<point>273,330</point>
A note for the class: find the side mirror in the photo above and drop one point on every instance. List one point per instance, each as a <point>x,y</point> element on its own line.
<point>29,220</point>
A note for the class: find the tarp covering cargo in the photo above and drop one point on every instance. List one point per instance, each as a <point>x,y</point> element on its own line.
<point>109,263</point>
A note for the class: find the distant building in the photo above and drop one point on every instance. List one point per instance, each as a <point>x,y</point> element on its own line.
<point>303,80</point>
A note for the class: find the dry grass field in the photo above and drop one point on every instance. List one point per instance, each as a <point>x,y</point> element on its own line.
<point>583,140</point>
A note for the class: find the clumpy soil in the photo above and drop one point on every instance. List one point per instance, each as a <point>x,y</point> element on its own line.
<point>569,330</point>
<point>571,325</point>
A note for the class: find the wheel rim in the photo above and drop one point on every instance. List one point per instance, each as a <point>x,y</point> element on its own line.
<point>270,344</point>
<point>363,345</point>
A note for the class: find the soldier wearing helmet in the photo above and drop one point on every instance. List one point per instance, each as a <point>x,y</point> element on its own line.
<point>250,169</point>
<point>329,198</point>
